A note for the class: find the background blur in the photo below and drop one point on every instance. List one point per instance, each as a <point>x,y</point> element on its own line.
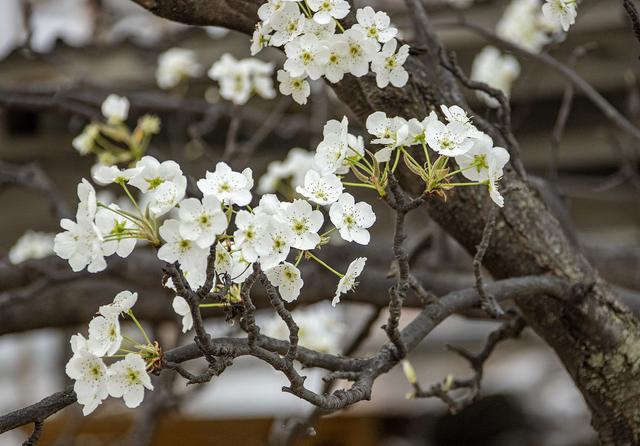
<point>85,49</point>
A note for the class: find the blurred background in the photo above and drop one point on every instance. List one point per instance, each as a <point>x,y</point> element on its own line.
<point>60,58</point>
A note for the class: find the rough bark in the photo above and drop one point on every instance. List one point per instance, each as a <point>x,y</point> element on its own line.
<point>596,338</point>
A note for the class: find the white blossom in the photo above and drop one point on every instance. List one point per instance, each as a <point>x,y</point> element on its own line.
<point>391,132</point>
<point>118,228</point>
<point>388,65</point>
<point>337,60</point>
<point>122,303</point>
<point>319,326</point>
<point>348,281</point>
<point>327,10</point>
<point>293,168</point>
<point>85,141</point>
<point>494,193</point>
<point>239,79</point>
<point>112,174</point>
<point>249,233</point>
<point>88,204</point>
<point>323,31</point>
<point>483,161</point>
<point>180,249</point>
<point>81,245</point>
<point>561,11</point>
<point>496,70</point>
<point>104,335</point>
<point>448,139</point>
<point>228,186</point>
<point>176,65</point>
<point>286,277</point>
<point>115,108</point>
<point>321,189</point>
<point>260,38</point>
<point>31,245</point>
<point>128,379</point>
<point>304,222</point>
<point>202,221</point>
<point>275,243</point>
<point>89,373</point>
<point>352,219</point>
<point>297,87</point>
<point>287,23</point>
<point>360,51</point>
<point>181,307</point>
<point>306,55</point>
<point>374,25</point>
<point>163,181</point>
<point>232,263</point>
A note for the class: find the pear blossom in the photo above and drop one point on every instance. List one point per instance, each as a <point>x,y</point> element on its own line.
<point>104,335</point>
<point>496,70</point>
<point>352,219</point>
<point>327,10</point>
<point>85,141</point>
<point>275,243</point>
<point>562,11</point>
<point>164,181</point>
<point>334,148</point>
<point>248,234</point>
<point>178,248</point>
<point>239,79</point>
<point>230,262</point>
<point>294,167</point>
<point>321,189</point>
<point>374,25</point>
<point>323,31</point>
<point>104,175</point>
<point>31,245</point>
<point>298,87</point>
<point>260,38</point>
<point>286,277</point>
<point>320,328</point>
<point>268,9</point>
<point>288,23</point>
<point>88,204</point>
<point>494,194</point>
<point>118,228</point>
<point>128,378</point>
<point>360,51</point>
<point>181,307</point>
<point>525,24</point>
<point>228,186</point>
<point>202,221</point>
<point>392,132</point>
<point>175,65</point>
<point>337,61</point>
<point>115,108</point>
<point>388,65</point>
<point>448,139</point>
<point>304,222</point>
<point>81,245</point>
<point>306,54</point>
<point>89,373</point>
<point>122,303</point>
<point>348,281</point>
<point>483,161</point>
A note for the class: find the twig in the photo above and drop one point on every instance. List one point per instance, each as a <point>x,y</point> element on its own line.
<point>487,301</point>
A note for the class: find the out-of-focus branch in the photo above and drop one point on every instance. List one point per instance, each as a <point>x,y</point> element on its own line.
<point>563,70</point>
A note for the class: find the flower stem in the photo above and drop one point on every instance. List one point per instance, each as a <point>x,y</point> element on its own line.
<point>135,321</point>
<point>310,254</point>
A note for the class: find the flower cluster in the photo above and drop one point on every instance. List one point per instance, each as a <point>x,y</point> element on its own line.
<point>284,176</point>
<point>320,328</point>
<point>316,44</point>
<point>94,380</point>
<point>526,23</point>
<point>112,141</point>
<point>31,245</point>
<point>240,79</point>
<point>176,66</point>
